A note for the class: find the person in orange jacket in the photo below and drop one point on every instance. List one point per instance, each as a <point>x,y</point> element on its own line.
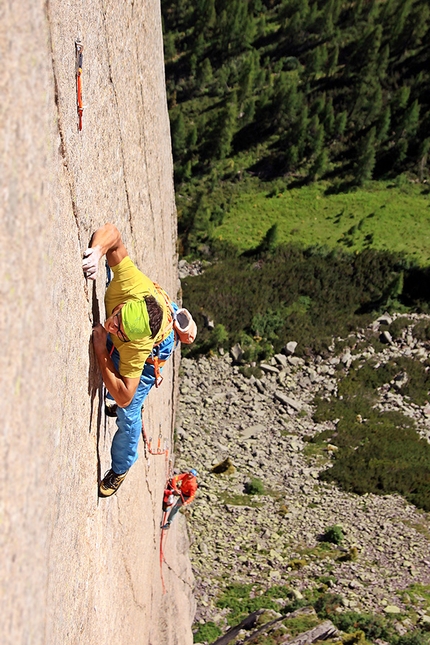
<point>184,486</point>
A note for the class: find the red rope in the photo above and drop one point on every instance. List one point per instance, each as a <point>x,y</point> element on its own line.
<point>158,452</point>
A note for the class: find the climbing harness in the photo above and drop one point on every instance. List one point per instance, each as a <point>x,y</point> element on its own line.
<point>79,60</point>
<point>154,359</point>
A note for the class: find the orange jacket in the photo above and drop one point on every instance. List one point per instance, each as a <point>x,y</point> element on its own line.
<point>186,484</point>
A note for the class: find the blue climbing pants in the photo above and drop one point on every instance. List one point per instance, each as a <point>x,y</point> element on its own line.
<point>176,507</point>
<point>129,419</point>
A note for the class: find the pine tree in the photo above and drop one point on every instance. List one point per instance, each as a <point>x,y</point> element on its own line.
<point>301,130</point>
<point>315,61</point>
<point>316,135</point>
<point>199,45</point>
<point>227,128</point>
<point>366,158</point>
<point>320,165</point>
<point>340,124</point>
<point>270,240</point>
<point>247,75</point>
<point>384,59</point>
<point>383,124</point>
<point>332,61</point>
<point>178,134</point>
<point>374,104</point>
<point>400,16</point>
<point>410,121</point>
<point>205,74</point>
<point>192,138</point>
<point>423,157</point>
<point>328,117</point>
<point>206,15</point>
<point>169,46</point>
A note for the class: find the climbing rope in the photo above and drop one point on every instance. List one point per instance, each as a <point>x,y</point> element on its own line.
<point>159,451</point>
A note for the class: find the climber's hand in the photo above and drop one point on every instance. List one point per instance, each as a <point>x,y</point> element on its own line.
<point>99,338</point>
<point>90,262</point>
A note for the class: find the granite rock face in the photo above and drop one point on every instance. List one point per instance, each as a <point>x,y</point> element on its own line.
<point>76,569</point>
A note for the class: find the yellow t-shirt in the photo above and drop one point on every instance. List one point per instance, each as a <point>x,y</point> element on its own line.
<point>129,283</point>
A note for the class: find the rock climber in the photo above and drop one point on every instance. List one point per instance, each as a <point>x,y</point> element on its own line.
<point>131,347</point>
<point>184,486</point>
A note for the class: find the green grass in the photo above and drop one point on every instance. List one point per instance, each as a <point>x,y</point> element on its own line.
<point>383,216</point>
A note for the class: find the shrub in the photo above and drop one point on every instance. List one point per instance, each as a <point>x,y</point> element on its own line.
<point>421,330</point>
<point>333,534</point>
<point>417,637</point>
<point>373,626</point>
<point>208,632</point>
<point>309,295</point>
<point>398,326</point>
<point>248,371</point>
<point>327,604</point>
<point>384,454</point>
<point>254,487</point>
<point>237,598</point>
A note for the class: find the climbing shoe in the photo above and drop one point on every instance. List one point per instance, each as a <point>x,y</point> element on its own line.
<point>110,483</point>
<point>110,408</point>
<point>166,526</point>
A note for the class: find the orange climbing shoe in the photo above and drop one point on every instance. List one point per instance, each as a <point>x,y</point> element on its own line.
<point>110,483</point>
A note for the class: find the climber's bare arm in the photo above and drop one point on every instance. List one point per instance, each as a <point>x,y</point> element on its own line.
<point>105,241</point>
<point>120,387</point>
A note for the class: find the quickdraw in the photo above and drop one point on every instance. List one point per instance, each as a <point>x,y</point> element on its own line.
<point>153,359</point>
<point>79,61</point>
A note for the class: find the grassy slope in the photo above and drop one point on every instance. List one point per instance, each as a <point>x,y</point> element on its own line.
<point>383,216</point>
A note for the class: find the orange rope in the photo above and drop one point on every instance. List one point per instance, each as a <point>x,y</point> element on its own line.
<point>159,451</point>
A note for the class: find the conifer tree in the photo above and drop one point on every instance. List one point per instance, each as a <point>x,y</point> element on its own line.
<point>328,117</point>
<point>169,46</point>
<point>332,61</point>
<point>286,99</point>
<point>301,130</point>
<point>227,128</point>
<point>383,61</point>
<point>366,158</point>
<point>199,45</point>
<point>423,157</point>
<point>375,104</point>
<point>320,165</point>
<point>383,124</point>
<point>270,240</point>
<point>206,15</point>
<point>402,12</point>
<point>205,74</point>
<point>340,124</point>
<point>409,123</point>
<point>178,134</point>
<point>315,136</point>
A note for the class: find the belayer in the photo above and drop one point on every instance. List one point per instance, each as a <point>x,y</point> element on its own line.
<point>132,346</point>
<point>184,487</point>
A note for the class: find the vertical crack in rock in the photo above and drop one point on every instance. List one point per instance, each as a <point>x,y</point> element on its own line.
<point>108,58</point>
<point>63,148</point>
<point>144,148</point>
